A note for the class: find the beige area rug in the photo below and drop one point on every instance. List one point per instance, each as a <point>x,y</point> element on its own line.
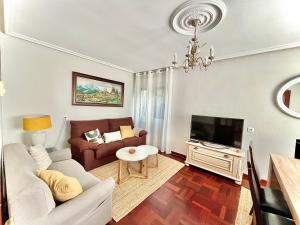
<point>132,192</point>
<point>245,204</point>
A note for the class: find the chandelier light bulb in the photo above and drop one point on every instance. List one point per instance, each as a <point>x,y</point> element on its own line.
<point>175,57</point>
<point>211,50</point>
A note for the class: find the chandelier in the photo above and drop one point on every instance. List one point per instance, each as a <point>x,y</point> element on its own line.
<point>193,58</point>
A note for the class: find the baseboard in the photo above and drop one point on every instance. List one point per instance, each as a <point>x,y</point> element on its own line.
<point>178,155</point>
<point>262,182</point>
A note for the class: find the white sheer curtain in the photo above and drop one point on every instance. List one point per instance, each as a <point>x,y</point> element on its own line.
<point>152,103</point>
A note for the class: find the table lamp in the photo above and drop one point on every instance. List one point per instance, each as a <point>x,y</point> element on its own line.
<point>37,126</point>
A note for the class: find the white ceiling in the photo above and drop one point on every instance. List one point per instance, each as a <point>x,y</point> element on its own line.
<point>135,34</point>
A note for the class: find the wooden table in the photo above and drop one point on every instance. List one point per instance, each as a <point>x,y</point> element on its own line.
<point>284,173</point>
<point>139,156</point>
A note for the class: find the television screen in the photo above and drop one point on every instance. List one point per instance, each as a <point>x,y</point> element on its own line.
<point>223,131</point>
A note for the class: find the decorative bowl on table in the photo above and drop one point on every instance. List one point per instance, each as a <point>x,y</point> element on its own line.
<point>131,150</point>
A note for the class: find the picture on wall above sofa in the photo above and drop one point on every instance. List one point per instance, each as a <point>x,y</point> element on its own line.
<point>96,91</point>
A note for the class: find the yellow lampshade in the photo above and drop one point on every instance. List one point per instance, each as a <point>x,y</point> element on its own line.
<point>37,122</point>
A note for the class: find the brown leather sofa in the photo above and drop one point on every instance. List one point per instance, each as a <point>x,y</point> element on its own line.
<point>91,155</point>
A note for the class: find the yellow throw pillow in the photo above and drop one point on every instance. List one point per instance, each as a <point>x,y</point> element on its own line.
<point>126,132</point>
<point>9,222</point>
<point>62,187</point>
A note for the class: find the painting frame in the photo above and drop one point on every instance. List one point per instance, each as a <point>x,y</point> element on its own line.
<point>77,75</point>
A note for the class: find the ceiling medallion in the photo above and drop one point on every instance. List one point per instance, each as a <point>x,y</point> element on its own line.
<point>209,12</point>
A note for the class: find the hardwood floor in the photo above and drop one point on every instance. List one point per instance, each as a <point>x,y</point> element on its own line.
<point>191,197</point>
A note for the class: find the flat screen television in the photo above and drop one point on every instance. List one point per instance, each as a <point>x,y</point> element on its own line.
<point>223,131</point>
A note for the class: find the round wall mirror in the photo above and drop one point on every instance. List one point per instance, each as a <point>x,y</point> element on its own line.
<point>288,97</point>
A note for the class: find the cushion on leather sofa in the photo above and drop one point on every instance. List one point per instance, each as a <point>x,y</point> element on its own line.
<point>114,124</point>
<point>78,128</point>
<point>108,149</point>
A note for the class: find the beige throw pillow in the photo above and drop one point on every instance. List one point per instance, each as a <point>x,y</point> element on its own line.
<point>126,132</point>
<point>40,156</point>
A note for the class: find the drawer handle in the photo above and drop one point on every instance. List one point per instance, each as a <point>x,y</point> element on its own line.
<point>195,148</point>
<point>226,156</point>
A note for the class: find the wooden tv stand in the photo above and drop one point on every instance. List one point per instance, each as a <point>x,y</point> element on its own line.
<point>225,161</point>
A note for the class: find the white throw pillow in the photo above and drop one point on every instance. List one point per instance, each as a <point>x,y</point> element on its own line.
<point>112,136</point>
<point>40,156</point>
<point>94,136</point>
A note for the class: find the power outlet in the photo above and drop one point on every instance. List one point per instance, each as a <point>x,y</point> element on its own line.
<point>250,130</point>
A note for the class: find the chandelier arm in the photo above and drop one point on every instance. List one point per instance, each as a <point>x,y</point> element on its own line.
<point>203,45</point>
<point>202,61</point>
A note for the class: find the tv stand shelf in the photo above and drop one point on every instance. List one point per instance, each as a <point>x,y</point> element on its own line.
<point>225,161</point>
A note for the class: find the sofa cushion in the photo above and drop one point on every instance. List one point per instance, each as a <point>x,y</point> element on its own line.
<point>133,141</point>
<point>108,149</point>
<point>78,128</point>
<point>74,169</point>
<point>114,124</point>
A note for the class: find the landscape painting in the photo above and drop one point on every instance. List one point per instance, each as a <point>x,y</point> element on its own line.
<point>96,91</point>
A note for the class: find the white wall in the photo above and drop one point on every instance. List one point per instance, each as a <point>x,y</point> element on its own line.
<point>38,80</point>
<point>240,88</point>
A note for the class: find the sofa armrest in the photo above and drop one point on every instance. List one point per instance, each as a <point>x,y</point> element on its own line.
<point>60,155</point>
<point>82,144</point>
<point>142,133</point>
<point>72,211</point>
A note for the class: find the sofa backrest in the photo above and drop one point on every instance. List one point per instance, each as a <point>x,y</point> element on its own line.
<point>28,196</point>
<point>78,128</point>
<point>114,124</point>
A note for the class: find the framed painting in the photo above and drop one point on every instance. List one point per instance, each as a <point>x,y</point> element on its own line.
<point>96,91</point>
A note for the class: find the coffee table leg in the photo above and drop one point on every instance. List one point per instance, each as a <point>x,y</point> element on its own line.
<point>146,165</point>
<point>141,166</point>
<point>119,171</point>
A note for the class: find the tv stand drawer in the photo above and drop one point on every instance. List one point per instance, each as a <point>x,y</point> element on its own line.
<point>221,163</point>
<point>214,160</point>
<point>210,152</point>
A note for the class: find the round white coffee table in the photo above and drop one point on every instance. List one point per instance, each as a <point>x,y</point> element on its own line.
<point>140,156</point>
<point>152,150</point>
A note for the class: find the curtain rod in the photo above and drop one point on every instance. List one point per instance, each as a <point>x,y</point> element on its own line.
<point>153,70</point>
<point>160,69</point>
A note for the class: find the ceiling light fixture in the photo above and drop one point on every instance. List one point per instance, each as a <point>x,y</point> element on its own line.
<point>193,58</point>
<point>192,17</point>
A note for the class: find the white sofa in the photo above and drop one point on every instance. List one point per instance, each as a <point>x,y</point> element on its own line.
<point>30,201</point>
